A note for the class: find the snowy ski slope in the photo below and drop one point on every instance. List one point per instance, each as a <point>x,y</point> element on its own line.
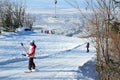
<point>57,57</point>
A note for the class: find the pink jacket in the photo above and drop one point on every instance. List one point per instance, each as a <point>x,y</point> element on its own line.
<point>31,52</point>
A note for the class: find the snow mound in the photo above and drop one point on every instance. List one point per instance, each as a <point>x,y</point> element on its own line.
<point>23,30</point>
<point>88,71</point>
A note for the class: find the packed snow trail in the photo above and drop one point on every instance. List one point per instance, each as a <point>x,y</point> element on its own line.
<point>58,57</point>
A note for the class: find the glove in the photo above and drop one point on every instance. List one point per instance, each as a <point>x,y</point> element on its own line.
<point>21,44</point>
<point>24,54</point>
<point>27,54</point>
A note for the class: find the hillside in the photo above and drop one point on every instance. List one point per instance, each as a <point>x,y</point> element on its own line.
<point>64,24</point>
<point>57,57</point>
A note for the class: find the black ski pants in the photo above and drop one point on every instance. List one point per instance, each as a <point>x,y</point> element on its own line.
<point>31,63</point>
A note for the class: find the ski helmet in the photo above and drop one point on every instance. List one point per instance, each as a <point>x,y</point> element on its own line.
<point>32,41</point>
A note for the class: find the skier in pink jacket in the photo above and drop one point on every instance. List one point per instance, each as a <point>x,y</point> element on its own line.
<point>31,54</point>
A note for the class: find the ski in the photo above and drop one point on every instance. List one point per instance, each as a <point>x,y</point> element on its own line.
<point>27,71</point>
<point>31,71</point>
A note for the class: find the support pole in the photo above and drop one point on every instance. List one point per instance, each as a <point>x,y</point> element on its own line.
<point>55,1</point>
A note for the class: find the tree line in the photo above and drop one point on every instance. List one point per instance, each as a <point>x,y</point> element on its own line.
<point>13,15</point>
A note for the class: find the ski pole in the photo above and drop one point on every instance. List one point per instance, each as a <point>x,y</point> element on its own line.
<point>24,49</point>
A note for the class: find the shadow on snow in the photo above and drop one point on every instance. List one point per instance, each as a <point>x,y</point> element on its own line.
<point>88,70</point>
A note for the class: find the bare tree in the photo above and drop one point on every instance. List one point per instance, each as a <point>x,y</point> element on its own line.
<point>12,15</point>
<point>104,20</point>
<point>106,15</point>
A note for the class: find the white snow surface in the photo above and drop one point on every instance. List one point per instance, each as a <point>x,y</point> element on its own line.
<point>57,57</point>
<point>64,24</point>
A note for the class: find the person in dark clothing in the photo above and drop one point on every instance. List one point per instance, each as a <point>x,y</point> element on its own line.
<point>87,46</point>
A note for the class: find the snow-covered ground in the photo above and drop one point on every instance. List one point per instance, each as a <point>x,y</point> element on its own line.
<point>64,24</point>
<point>57,57</point>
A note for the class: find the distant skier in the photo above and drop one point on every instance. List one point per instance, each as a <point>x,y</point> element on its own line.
<point>31,54</point>
<point>87,46</point>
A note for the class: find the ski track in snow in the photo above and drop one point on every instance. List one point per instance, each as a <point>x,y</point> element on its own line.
<point>57,57</point>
